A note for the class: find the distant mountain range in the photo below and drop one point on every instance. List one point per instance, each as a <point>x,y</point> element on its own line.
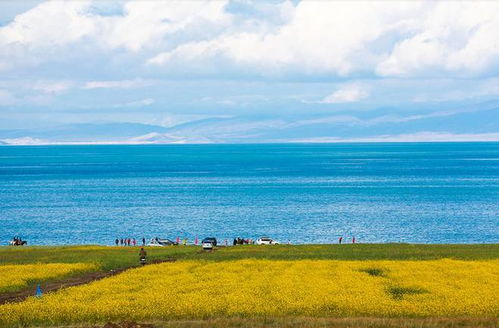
<point>332,127</point>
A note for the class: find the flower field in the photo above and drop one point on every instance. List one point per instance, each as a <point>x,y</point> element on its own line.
<point>252,288</point>
<point>14,277</point>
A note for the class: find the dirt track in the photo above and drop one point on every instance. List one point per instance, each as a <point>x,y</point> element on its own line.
<point>51,286</point>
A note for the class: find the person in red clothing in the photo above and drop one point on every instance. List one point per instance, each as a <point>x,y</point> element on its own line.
<point>353,240</point>
<point>340,240</point>
<point>134,242</point>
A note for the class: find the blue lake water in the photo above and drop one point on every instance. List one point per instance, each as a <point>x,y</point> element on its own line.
<point>306,193</point>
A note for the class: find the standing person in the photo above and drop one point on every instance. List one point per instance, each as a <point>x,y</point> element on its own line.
<point>340,240</point>
<point>234,243</point>
<point>142,256</point>
<point>117,241</point>
<point>353,240</point>
<point>121,241</point>
<point>226,242</point>
<point>143,241</point>
<point>134,242</point>
<point>129,241</point>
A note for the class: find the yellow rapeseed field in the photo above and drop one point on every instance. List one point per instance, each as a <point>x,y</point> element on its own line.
<point>13,277</point>
<point>247,288</point>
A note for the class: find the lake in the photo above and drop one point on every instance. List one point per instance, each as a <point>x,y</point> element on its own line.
<point>304,193</point>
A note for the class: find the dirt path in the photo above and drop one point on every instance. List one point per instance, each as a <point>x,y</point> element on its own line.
<point>52,286</point>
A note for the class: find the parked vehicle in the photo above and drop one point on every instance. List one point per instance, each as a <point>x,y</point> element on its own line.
<point>161,242</point>
<point>266,241</point>
<point>209,243</point>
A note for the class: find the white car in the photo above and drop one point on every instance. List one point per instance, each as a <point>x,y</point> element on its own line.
<point>161,242</point>
<point>209,243</point>
<point>266,241</point>
<point>207,246</point>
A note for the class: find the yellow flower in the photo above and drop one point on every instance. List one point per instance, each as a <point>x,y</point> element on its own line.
<point>248,288</point>
<point>14,277</point>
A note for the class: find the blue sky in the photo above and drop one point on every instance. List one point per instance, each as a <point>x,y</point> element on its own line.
<point>249,71</point>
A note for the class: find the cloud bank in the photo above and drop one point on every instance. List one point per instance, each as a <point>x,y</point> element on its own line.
<point>309,38</point>
<point>278,61</point>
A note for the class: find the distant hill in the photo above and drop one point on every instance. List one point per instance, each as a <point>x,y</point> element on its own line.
<point>467,124</point>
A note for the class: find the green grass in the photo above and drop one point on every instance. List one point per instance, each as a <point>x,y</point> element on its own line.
<point>398,292</point>
<point>119,257</point>
<point>354,252</point>
<point>375,272</point>
<point>107,258</point>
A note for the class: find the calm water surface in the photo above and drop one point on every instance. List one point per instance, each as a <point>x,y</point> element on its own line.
<point>307,193</point>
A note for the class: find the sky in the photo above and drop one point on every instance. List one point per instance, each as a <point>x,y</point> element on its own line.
<point>248,71</point>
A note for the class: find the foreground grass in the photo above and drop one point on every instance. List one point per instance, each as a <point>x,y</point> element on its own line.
<point>308,322</point>
<point>301,322</point>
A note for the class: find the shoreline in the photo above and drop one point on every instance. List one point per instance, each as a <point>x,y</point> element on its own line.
<point>492,243</point>
<point>294,142</point>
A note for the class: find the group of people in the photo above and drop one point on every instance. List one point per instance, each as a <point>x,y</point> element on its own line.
<point>128,242</point>
<point>340,240</point>
<point>242,241</point>
<point>17,241</point>
<point>133,241</point>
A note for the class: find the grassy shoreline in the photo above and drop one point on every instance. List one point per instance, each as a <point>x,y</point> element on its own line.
<point>111,257</point>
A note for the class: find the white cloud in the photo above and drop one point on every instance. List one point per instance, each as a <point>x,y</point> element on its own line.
<point>49,24</point>
<point>53,87</point>
<point>123,84</point>
<point>452,37</point>
<point>319,38</point>
<point>148,23</point>
<point>49,31</point>
<point>324,38</point>
<point>348,93</point>
<point>136,103</point>
<point>346,38</point>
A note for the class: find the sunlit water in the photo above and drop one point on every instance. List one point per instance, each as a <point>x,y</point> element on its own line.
<point>307,193</point>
